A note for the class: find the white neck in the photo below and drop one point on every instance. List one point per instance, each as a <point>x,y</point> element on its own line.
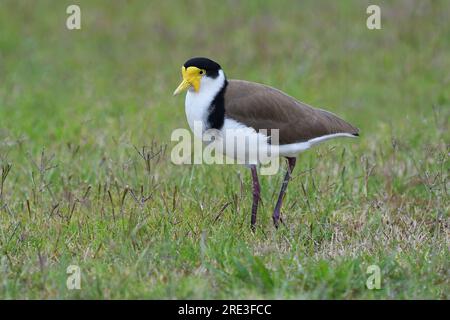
<point>197,103</point>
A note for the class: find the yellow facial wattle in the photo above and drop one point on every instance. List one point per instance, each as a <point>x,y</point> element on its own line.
<point>191,78</point>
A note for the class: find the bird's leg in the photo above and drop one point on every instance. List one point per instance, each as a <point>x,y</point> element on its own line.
<point>256,192</point>
<point>276,212</point>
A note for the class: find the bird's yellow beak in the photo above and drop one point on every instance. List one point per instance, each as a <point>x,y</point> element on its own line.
<point>191,77</point>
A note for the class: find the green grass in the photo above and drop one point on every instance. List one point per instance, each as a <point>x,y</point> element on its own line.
<point>75,104</point>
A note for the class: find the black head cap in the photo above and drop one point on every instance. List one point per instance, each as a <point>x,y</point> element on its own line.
<point>211,67</point>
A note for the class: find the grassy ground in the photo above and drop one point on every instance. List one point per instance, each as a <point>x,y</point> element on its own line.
<point>77,106</point>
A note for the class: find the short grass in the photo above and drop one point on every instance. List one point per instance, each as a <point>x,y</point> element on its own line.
<point>85,124</point>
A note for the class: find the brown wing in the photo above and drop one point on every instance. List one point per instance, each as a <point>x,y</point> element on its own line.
<point>263,107</point>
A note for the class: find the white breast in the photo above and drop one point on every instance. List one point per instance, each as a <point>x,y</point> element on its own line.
<point>198,103</point>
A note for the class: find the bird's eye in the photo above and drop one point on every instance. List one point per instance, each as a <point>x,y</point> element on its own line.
<point>202,72</point>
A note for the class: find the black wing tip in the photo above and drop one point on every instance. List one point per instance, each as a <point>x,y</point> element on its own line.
<point>355,132</point>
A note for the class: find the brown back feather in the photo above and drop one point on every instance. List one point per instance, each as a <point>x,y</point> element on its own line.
<point>263,107</point>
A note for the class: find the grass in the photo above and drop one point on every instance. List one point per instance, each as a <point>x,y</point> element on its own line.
<point>85,124</point>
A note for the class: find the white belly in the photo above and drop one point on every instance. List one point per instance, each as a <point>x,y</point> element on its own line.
<point>239,142</point>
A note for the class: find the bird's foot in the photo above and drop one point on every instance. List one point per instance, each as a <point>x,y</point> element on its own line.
<point>276,218</point>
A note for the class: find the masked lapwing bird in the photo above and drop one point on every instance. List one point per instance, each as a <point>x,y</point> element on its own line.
<point>256,110</point>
